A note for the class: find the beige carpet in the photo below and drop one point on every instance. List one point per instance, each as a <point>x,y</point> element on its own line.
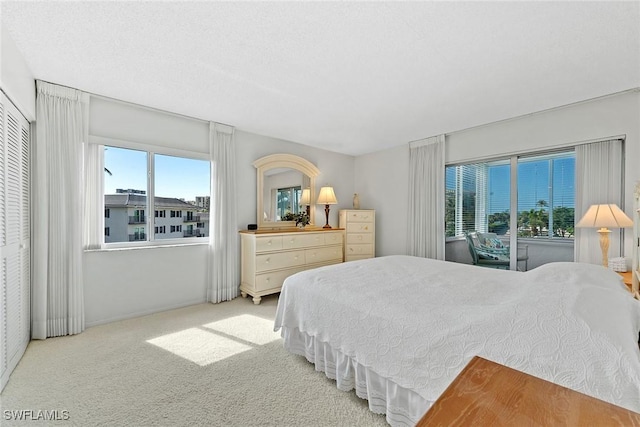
<point>208,364</point>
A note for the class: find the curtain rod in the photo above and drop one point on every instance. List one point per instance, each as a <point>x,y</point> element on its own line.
<point>146,107</point>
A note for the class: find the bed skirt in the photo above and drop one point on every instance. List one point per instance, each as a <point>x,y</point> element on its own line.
<point>403,407</point>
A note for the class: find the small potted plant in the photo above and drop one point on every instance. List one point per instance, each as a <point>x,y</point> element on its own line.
<point>301,219</point>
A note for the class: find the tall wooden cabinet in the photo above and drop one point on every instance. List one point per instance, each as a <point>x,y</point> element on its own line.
<point>269,257</point>
<point>15,227</point>
<point>360,233</point>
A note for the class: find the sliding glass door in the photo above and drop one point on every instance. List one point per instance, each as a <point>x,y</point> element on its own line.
<point>526,202</point>
<point>546,202</point>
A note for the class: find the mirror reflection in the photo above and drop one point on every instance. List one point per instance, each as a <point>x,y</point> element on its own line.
<point>285,189</point>
<point>283,194</point>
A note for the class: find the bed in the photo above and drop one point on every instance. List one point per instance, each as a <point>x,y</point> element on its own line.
<point>398,329</point>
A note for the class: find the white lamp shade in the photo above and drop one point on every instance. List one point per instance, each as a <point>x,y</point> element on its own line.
<point>327,196</point>
<point>305,198</point>
<point>605,216</point>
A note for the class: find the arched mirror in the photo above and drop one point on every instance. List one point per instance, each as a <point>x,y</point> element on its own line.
<point>285,186</point>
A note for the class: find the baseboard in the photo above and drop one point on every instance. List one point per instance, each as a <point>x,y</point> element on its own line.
<point>144,313</point>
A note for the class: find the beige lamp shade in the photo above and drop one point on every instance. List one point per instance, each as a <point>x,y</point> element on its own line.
<point>603,217</point>
<point>305,198</point>
<point>327,196</point>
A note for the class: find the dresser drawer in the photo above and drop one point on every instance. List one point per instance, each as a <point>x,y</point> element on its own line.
<point>275,261</point>
<point>333,238</point>
<point>268,243</point>
<point>359,250</point>
<point>359,238</point>
<point>274,279</point>
<point>359,227</point>
<point>361,216</point>
<point>323,254</point>
<point>268,258</point>
<point>302,240</point>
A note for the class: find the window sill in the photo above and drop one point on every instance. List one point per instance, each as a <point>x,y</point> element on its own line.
<point>149,246</point>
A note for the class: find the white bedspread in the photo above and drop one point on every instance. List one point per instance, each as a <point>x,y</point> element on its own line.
<point>417,322</point>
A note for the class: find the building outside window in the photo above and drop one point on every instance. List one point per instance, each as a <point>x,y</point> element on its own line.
<point>176,183</point>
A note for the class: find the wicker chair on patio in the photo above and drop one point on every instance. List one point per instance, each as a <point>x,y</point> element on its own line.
<point>487,250</point>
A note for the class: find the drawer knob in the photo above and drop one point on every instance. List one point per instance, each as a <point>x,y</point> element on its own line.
<point>267,260</point>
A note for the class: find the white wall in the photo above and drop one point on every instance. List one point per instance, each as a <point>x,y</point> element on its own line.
<point>382,182</point>
<point>133,282</point>
<point>382,177</point>
<point>16,80</point>
<point>127,283</point>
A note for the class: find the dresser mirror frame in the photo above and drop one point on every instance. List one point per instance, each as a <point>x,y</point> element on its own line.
<point>283,161</point>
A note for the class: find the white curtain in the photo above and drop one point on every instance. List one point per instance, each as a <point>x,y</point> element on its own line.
<point>426,198</point>
<point>223,238</point>
<point>93,234</point>
<point>58,211</point>
<point>598,180</point>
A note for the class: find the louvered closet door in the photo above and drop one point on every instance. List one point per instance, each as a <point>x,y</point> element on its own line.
<point>14,237</point>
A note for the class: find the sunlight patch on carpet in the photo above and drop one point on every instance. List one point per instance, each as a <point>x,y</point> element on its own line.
<point>199,346</point>
<point>246,327</point>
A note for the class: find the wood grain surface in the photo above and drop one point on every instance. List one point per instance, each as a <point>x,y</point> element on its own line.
<point>486,393</point>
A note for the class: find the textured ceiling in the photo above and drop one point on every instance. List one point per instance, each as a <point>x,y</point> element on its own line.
<point>350,77</point>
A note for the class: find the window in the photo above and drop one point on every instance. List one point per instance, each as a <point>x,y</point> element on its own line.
<point>174,184</point>
<point>288,201</point>
<point>478,196</point>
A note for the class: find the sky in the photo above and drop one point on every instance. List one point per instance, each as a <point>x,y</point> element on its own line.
<point>533,184</point>
<point>175,176</point>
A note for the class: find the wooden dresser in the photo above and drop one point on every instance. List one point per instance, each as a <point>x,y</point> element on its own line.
<point>269,257</point>
<point>360,233</point>
<point>486,393</point>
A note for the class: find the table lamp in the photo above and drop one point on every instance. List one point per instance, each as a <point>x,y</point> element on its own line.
<point>305,199</point>
<point>603,217</point>
<point>327,197</point>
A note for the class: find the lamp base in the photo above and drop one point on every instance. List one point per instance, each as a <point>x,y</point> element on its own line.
<point>326,212</point>
<point>604,245</point>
